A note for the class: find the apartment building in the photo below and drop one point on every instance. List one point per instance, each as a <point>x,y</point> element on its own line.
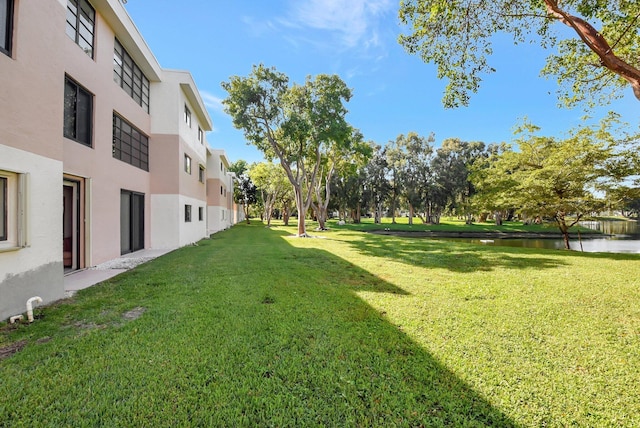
<point>221,208</point>
<point>102,152</point>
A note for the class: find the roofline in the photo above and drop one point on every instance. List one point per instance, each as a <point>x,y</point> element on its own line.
<point>190,89</point>
<point>129,36</point>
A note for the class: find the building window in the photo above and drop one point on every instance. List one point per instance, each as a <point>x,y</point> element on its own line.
<point>201,174</point>
<point>221,189</point>
<point>6,25</point>
<point>4,207</point>
<point>129,77</point>
<point>13,210</point>
<point>81,19</point>
<point>130,145</point>
<point>187,164</point>
<point>78,112</point>
<point>200,135</point>
<point>187,116</point>
<point>201,213</point>
<point>187,213</point>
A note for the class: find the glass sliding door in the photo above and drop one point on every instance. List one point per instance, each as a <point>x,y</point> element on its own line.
<point>131,221</point>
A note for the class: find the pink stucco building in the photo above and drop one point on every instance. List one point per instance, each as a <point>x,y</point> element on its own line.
<point>102,151</point>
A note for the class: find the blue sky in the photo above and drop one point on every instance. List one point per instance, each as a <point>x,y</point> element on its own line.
<point>393,92</point>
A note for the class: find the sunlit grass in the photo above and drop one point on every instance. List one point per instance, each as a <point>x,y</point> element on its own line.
<point>257,328</point>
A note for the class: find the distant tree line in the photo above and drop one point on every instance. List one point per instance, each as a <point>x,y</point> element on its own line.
<point>324,165</point>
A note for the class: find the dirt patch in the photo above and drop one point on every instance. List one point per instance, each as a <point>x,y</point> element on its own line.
<point>7,351</point>
<point>89,325</point>
<point>134,313</point>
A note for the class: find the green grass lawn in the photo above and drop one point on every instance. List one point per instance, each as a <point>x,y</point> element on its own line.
<point>256,328</point>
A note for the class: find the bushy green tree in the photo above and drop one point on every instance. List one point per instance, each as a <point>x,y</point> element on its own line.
<point>294,123</point>
<point>272,185</point>
<point>549,177</point>
<point>244,193</point>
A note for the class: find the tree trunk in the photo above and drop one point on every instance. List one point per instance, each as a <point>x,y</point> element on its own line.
<point>498,217</point>
<point>393,211</point>
<point>469,218</point>
<point>565,238</point>
<point>320,217</point>
<point>297,189</point>
<point>411,214</point>
<point>285,213</point>
<point>564,229</point>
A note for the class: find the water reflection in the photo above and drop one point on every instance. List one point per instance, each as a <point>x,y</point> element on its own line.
<point>611,227</point>
<point>625,238</point>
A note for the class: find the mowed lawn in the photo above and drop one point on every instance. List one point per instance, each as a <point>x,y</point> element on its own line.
<point>257,328</point>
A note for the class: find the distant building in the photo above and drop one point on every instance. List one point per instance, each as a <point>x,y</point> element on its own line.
<point>102,152</point>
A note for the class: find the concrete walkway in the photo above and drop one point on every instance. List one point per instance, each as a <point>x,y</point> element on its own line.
<point>85,278</point>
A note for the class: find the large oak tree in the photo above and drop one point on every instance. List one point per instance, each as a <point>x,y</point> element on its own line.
<point>593,66</point>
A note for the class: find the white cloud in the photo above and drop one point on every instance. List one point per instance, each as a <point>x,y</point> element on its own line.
<point>353,22</point>
<point>211,101</point>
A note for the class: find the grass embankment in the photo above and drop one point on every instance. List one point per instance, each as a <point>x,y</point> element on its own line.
<point>255,328</point>
<point>455,225</point>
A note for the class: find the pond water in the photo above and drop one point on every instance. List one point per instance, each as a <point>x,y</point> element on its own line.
<point>624,238</point>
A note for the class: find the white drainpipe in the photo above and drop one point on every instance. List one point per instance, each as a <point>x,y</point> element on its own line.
<point>30,306</point>
<point>13,319</point>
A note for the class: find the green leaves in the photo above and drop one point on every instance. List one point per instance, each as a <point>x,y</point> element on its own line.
<point>552,177</point>
<point>298,124</point>
<point>592,65</point>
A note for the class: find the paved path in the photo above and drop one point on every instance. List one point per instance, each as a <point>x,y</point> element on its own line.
<point>85,278</point>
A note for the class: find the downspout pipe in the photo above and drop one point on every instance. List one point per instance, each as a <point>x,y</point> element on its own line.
<point>36,299</point>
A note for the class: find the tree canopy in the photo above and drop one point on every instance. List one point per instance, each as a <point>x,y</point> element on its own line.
<point>273,185</point>
<point>554,178</point>
<point>593,66</point>
<point>296,123</point>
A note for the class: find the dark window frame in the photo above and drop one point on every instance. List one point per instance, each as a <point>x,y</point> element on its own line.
<point>8,29</point>
<point>187,213</point>
<point>187,164</point>
<point>200,135</point>
<point>4,208</point>
<point>130,145</point>
<point>128,75</point>
<point>82,7</point>
<point>187,115</point>
<point>200,213</point>
<point>71,113</point>
<point>201,175</point>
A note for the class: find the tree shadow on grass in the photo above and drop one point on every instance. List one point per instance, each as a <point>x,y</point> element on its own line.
<point>457,257</point>
<point>327,357</point>
<point>246,330</point>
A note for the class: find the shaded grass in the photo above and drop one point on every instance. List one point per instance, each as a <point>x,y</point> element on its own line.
<point>254,327</point>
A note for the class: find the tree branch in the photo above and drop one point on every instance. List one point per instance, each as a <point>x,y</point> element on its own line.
<point>598,45</point>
